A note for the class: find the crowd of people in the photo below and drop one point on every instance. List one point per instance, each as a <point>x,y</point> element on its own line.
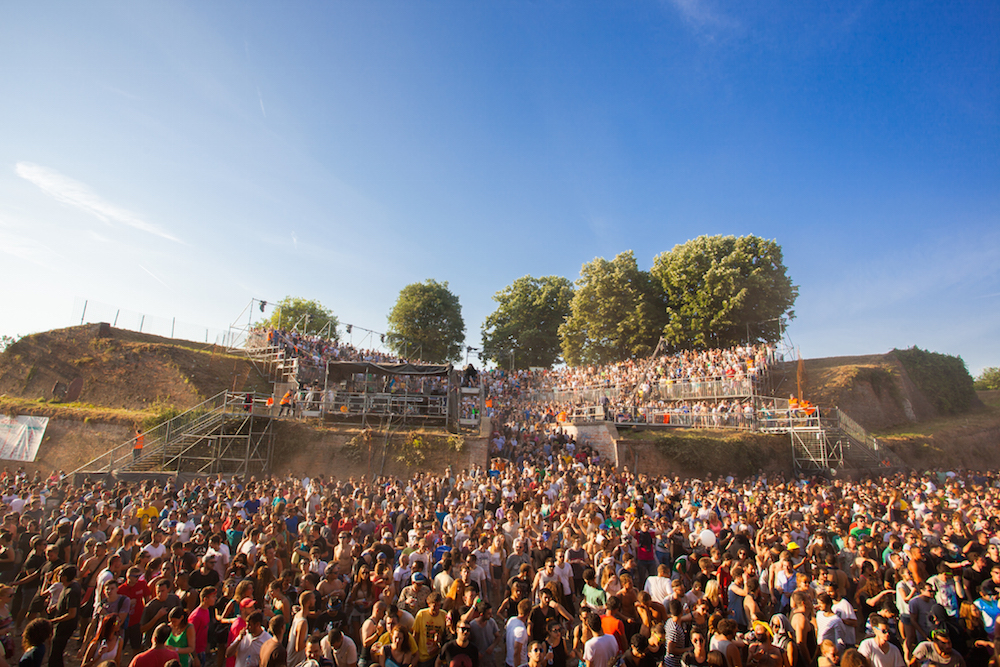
<point>551,558</point>
<point>315,350</point>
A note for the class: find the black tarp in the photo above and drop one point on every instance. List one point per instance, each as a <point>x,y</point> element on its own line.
<point>341,370</point>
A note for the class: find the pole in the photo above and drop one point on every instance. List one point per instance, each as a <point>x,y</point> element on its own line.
<point>116,317</point>
<point>141,322</point>
<point>84,313</point>
<point>173,324</point>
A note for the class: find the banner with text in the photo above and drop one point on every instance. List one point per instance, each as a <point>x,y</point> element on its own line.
<point>20,437</point>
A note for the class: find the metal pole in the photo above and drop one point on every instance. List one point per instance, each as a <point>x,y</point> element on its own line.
<point>116,317</point>
<point>141,322</point>
<point>84,313</point>
<point>172,325</point>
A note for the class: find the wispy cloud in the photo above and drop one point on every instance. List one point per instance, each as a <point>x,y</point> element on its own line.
<point>28,250</point>
<point>156,277</point>
<point>701,14</point>
<point>261,98</point>
<point>72,192</point>
<point>295,240</point>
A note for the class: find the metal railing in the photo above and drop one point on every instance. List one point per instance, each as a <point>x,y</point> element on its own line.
<point>345,404</point>
<point>673,390</point>
<point>155,438</point>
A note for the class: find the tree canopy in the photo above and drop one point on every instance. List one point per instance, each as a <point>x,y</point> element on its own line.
<point>616,313</point>
<point>307,316</point>
<point>722,290</point>
<point>426,323</point>
<point>527,320</point>
<point>989,378</point>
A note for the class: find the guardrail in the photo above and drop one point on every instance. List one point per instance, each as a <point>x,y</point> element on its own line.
<point>666,391</point>
<point>192,421</point>
<point>154,439</point>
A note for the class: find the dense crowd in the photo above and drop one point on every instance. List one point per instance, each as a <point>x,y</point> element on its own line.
<point>314,350</point>
<point>550,558</point>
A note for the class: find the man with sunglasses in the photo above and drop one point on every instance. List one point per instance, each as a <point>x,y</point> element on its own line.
<point>937,652</point>
<point>878,649</point>
<point>462,644</point>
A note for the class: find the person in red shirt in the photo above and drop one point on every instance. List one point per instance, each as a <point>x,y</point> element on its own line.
<point>136,590</point>
<point>200,619</point>
<point>159,655</point>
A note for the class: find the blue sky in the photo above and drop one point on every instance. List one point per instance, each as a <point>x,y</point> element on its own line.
<point>177,159</point>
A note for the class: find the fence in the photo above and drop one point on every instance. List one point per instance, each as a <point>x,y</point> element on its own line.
<point>674,390</point>
<point>90,311</point>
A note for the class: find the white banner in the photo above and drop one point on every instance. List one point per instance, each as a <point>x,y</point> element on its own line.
<point>21,436</point>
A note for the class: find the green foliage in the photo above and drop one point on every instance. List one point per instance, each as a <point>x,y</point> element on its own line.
<point>527,320</point>
<point>427,323</point>
<point>720,289</point>
<point>6,341</point>
<point>359,445</point>
<point>412,450</point>
<point>456,442</point>
<point>163,413</point>
<point>988,379</point>
<point>881,379</point>
<point>307,316</point>
<point>942,378</point>
<point>616,313</point>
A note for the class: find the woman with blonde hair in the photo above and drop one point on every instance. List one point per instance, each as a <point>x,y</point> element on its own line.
<point>713,595</point>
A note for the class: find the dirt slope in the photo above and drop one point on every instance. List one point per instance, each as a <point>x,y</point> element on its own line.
<point>122,369</point>
<point>874,390</point>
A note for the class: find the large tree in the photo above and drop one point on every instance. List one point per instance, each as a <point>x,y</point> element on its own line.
<point>426,323</point>
<point>305,315</point>
<point>527,320</point>
<point>617,313</point>
<point>722,290</point>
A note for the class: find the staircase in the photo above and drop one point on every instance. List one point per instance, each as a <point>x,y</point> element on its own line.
<point>216,435</point>
<point>275,365</point>
<point>832,441</point>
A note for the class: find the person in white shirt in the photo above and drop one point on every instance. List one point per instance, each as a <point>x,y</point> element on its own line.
<point>845,610</point>
<point>219,550</point>
<point>828,624</point>
<point>185,526</point>
<point>878,649</point>
<point>517,635</point>
<point>600,649</point>
<point>340,648</point>
<point>247,646</point>
<point>156,548</point>
<point>660,587</point>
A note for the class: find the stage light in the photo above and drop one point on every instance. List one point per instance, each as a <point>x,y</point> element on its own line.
<point>263,305</point>
<point>349,327</point>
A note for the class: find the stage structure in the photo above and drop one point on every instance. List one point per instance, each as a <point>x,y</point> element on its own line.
<point>411,394</point>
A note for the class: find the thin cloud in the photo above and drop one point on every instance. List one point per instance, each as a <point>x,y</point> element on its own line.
<point>702,15</point>
<point>28,250</point>
<point>261,98</point>
<point>154,276</point>
<point>68,191</point>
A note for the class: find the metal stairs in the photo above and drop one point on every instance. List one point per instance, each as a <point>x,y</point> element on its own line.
<point>228,433</point>
<point>831,440</point>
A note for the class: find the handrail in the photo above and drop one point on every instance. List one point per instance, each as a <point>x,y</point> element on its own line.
<point>155,438</point>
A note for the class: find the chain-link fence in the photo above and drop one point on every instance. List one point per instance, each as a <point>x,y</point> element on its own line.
<point>90,311</point>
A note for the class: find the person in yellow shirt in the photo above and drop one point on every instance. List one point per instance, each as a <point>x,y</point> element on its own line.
<point>148,514</point>
<point>429,628</point>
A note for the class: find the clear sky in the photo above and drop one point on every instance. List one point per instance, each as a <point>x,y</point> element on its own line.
<point>179,158</point>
